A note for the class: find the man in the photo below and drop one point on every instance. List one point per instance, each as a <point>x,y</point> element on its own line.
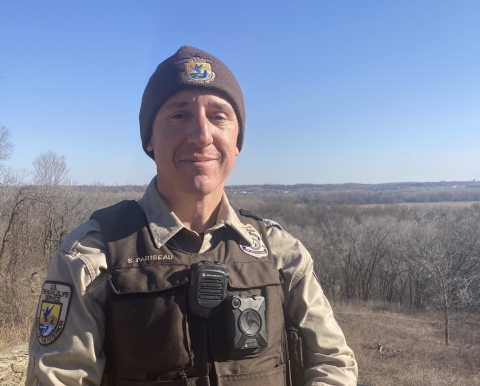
<point>180,288</point>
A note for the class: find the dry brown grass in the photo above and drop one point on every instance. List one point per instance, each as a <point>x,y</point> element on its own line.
<point>18,312</point>
<point>396,347</point>
<point>14,334</point>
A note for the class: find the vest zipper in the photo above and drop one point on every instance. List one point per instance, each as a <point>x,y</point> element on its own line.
<point>184,377</point>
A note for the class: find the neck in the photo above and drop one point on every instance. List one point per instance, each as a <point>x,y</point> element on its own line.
<point>196,212</point>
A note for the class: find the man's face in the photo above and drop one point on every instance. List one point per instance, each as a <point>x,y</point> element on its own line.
<point>194,140</point>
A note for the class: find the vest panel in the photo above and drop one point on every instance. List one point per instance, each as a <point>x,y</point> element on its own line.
<point>204,381</point>
<point>153,338</point>
<point>272,377</point>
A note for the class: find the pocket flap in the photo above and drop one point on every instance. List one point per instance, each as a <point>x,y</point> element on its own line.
<point>148,278</point>
<point>253,274</point>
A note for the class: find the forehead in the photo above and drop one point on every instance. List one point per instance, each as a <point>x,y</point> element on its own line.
<point>194,96</point>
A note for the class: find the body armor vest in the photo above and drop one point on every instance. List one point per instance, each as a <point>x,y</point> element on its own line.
<point>152,338</point>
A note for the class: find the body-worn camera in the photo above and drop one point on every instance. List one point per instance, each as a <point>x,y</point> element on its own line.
<point>208,287</point>
<point>246,324</point>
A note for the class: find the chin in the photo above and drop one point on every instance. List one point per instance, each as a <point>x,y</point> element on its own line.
<point>204,186</point>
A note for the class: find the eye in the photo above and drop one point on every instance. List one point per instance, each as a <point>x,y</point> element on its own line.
<point>179,115</point>
<point>218,117</point>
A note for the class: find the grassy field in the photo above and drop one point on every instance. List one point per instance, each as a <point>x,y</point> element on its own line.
<point>396,347</point>
<point>13,334</point>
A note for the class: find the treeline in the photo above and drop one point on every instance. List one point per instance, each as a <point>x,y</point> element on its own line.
<point>370,196</point>
<point>335,195</point>
<point>340,194</point>
<point>389,186</point>
<point>419,256</point>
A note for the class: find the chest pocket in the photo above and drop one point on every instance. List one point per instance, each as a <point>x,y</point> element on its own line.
<point>247,279</point>
<point>148,315</point>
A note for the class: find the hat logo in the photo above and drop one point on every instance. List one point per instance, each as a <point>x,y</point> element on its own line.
<point>198,70</point>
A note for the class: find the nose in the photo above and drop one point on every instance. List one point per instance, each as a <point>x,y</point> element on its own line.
<point>201,130</point>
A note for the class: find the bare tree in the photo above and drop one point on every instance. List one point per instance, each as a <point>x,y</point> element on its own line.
<point>6,145</point>
<point>439,249</point>
<point>50,169</point>
<point>360,245</point>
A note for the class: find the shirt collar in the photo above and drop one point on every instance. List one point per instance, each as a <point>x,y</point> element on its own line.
<point>164,224</point>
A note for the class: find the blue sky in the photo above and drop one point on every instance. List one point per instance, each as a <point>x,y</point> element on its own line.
<point>335,91</point>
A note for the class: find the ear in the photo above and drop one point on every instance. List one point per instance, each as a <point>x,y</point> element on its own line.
<point>150,144</point>
<point>237,152</point>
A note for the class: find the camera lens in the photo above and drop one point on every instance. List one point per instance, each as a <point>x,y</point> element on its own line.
<point>236,303</point>
<point>250,322</point>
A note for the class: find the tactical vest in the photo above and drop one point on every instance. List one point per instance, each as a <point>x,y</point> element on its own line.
<point>152,338</point>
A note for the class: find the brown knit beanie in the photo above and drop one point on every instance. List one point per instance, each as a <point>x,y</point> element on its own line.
<point>189,67</point>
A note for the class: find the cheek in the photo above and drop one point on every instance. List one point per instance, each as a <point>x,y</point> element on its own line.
<point>164,140</point>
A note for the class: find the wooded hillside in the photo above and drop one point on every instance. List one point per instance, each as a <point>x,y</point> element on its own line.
<point>417,245</point>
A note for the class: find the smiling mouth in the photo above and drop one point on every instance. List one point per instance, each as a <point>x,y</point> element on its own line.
<point>197,160</point>
<point>200,162</point>
<point>198,157</point>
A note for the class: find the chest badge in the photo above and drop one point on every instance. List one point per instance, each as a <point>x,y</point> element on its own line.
<point>52,311</point>
<point>257,248</point>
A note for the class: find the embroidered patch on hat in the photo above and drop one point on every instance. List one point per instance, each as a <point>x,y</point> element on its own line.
<point>52,311</point>
<point>198,70</point>
<point>257,248</point>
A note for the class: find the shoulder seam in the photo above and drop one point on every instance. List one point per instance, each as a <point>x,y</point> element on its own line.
<point>72,239</point>
<point>301,272</point>
<point>270,223</point>
<point>88,265</point>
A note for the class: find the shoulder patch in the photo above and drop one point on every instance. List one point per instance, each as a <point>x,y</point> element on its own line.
<point>271,223</point>
<point>52,311</point>
<point>257,248</point>
<point>249,213</point>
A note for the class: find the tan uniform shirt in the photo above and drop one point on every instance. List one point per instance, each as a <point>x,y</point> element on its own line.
<point>77,357</point>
